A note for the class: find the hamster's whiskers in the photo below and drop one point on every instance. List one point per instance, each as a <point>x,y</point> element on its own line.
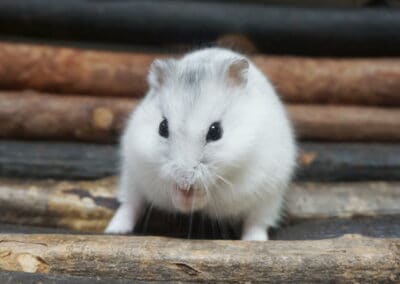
<point>224,180</point>
<point>147,217</point>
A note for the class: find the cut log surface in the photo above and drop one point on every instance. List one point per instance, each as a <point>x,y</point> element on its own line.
<point>31,115</point>
<point>372,31</point>
<point>351,258</point>
<point>298,79</point>
<point>88,205</point>
<point>318,161</point>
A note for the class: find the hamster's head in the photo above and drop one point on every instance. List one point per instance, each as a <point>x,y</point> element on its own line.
<point>200,130</point>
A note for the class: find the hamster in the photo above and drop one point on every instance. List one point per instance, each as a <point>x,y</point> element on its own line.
<point>210,135</point>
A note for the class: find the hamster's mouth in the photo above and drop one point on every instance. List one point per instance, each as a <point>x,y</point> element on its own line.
<point>188,199</point>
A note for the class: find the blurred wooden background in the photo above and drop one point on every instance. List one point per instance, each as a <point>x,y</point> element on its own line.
<point>72,71</point>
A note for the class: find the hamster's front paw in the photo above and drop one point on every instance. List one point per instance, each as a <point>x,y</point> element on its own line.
<point>255,234</point>
<point>118,227</point>
<point>123,221</point>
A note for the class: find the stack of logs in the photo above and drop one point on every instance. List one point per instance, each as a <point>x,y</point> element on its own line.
<point>72,94</point>
<point>83,98</point>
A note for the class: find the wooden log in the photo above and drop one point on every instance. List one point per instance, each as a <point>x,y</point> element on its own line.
<point>88,206</point>
<point>348,161</point>
<point>298,79</point>
<point>42,116</point>
<point>307,3</point>
<point>371,31</point>
<point>318,162</point>
<point>81,206</point>
<point>69,70</point>
<point>309,229</point>
<point>345,123</point>
<point>334,81</point>
<point>30,115</point>
<point>351,258</point>
<point>317,229</point>
<point>9,277</point>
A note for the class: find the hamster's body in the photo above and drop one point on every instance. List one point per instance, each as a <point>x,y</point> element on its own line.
<point>210,135</point>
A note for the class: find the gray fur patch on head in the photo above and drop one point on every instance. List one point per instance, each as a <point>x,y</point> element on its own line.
<point>192,77</point>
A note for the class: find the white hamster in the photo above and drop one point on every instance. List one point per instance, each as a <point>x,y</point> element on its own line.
<point>210,135</point>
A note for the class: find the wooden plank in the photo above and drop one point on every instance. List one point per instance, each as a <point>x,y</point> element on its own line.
<point>350,258</point>
<point>87,206</point>
<point>30,115</point>
<point>317,161</point>
<point>372,31</point>
<point>369,81</point>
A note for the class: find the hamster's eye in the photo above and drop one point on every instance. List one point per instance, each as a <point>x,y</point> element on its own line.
<point>214,132</point>
<point>163,128</point>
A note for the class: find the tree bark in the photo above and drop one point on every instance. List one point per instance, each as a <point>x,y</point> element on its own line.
<point>298,79</point>
<point>345,123</point>
<point>351,258</point>
<point>30,115</point>
<point>71,70</point>
<point>334,81</point>
<point>87,206</point>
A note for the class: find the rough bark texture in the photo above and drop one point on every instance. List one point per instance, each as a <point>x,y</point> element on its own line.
<point>31,115</point>
<point>298,79</point>
<point>334,81</point>
<point>88,206</point>
<point>317,161</point>
<point>350,258</point>
<point>345,123</point>
<point>81,206</point>
<point>68,70</point>
<point>42,116</point>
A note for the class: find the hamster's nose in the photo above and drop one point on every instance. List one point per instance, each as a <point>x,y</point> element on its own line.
<point>185,178</point>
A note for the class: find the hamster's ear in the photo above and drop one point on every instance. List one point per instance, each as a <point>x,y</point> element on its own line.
<point>237,72</point>
<point>159,71</point>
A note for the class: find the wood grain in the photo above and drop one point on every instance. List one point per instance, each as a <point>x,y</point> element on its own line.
<point>368,81</point>
<point>345,123</point>
<point>351,258</point>
<point>31,115</point>
<point>87,206</point>
<point>317,161</point>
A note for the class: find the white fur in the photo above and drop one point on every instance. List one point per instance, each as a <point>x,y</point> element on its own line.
<point>244,174</point>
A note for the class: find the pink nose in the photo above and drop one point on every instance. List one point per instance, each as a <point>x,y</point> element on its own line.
<point>184,179</point>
